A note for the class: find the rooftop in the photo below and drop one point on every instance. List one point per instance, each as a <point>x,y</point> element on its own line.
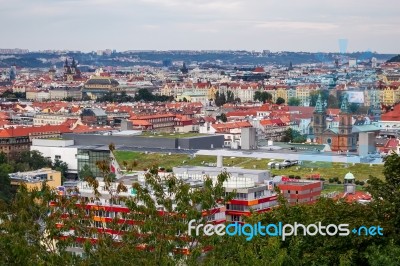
<point>32,176</point>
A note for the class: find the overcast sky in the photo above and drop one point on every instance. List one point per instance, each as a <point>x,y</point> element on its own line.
<point>276,25</point>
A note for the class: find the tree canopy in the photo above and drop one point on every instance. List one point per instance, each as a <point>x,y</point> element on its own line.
<point>27,227</point>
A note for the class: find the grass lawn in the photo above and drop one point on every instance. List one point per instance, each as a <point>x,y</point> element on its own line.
<point>328,188</point>
<point>325,169</point>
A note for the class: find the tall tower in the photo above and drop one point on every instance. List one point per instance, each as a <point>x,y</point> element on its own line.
<point>319,118</point>
<point>345,126</point>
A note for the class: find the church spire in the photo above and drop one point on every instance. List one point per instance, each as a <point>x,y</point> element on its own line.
<point>319,105</point>
<point>344,108</point>
<point>66,62</point>
<point>73,62</point>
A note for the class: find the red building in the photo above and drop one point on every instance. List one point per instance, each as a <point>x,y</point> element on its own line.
<point>300,191</point>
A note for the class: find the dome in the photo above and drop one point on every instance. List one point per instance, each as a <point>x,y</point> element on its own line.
<point>349,176</point>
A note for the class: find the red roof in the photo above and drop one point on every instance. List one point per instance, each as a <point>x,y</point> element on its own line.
<point>392,115</point>
<point>26,131</point>
<point>358,195</point>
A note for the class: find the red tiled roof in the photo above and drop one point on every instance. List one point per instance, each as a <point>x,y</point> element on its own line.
<point>26,131</point>
<point>359,195</point>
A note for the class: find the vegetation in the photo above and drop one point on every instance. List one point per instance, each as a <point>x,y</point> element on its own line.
<point>293,136</point>
<point>27,230</point>
<point>142,95</point>
<point>293,101</point>
<point>325,169</point>
<point>262,96</point>
<point>280,100</point>
<point>221,98</point>
<point>222,117</point>
<point>395,59</point>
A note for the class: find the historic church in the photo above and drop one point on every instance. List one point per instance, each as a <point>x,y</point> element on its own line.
<point>339,138</point>
<point>71,72</point>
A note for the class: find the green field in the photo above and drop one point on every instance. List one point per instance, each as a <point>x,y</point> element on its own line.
<point>325,169</point>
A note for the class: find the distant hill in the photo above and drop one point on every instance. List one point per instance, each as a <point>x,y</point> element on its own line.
<point>394,59</point>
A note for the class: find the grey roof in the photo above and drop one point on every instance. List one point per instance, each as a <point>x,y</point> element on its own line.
<point>102,81</point>
<point>99,112</point>
<point>365,128</point>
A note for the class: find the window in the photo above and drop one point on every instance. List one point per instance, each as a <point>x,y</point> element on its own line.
<point>258,194</point>
<point>235,218</point>
<point>57,157</point>
<point>241,196</point>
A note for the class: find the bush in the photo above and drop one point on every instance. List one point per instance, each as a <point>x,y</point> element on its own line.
<point>168,170</point>
<point>291,176</point>
<point>339,182</point>
<point>297,177</point>
<point>331,180</point>
<point>362,183</point>
<point>357,182</point>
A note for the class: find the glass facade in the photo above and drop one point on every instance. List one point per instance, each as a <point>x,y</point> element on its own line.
<point>90,157</point>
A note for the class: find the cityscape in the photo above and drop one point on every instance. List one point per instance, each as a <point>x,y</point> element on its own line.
<point>205,146</point>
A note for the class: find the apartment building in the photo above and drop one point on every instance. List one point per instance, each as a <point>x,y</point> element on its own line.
<point>299,190</point>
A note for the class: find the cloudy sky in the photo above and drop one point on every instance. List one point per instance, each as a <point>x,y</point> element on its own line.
<point>276,25</point>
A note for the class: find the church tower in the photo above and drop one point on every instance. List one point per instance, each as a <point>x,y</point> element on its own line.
<point>346,141</point>
<point>319,119</point>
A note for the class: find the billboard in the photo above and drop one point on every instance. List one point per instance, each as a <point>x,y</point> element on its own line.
<point>355,96</point>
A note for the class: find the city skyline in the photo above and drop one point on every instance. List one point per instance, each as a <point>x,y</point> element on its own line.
<point>309,26</point>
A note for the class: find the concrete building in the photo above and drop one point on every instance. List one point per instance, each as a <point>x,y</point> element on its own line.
<point>62,93</point>
<point>59,149</point>
<point>35,179</point>
<point>254,188</point>
<point>249,139</point>
<point>366,143</point>
<point>299,190</point>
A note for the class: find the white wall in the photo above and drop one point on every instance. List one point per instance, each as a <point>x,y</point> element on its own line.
<point>68,155</point>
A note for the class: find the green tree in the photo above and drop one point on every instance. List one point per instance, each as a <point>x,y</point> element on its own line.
<point>230,97</point>
<point>262,96</point>
<point>62,167</point>
<point>354,107</point>
<point>223,117</point>
<point>85,172</point>
<point>333,102</point>
<point>293,101</point>
<point>5,183</point>
<point>280,101</point>
<point>291,135</point>
<point>220,99</point>
<point>30,160</point>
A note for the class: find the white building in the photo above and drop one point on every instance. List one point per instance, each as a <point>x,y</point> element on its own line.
<point>63,150</point>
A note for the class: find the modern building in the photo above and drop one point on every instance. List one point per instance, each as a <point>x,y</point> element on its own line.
<point>249,139</point>
<point>300,190</point>
<point>35,179</point>
<point>58,149</point>
<point>254,188</point>
<point>94,117</point>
